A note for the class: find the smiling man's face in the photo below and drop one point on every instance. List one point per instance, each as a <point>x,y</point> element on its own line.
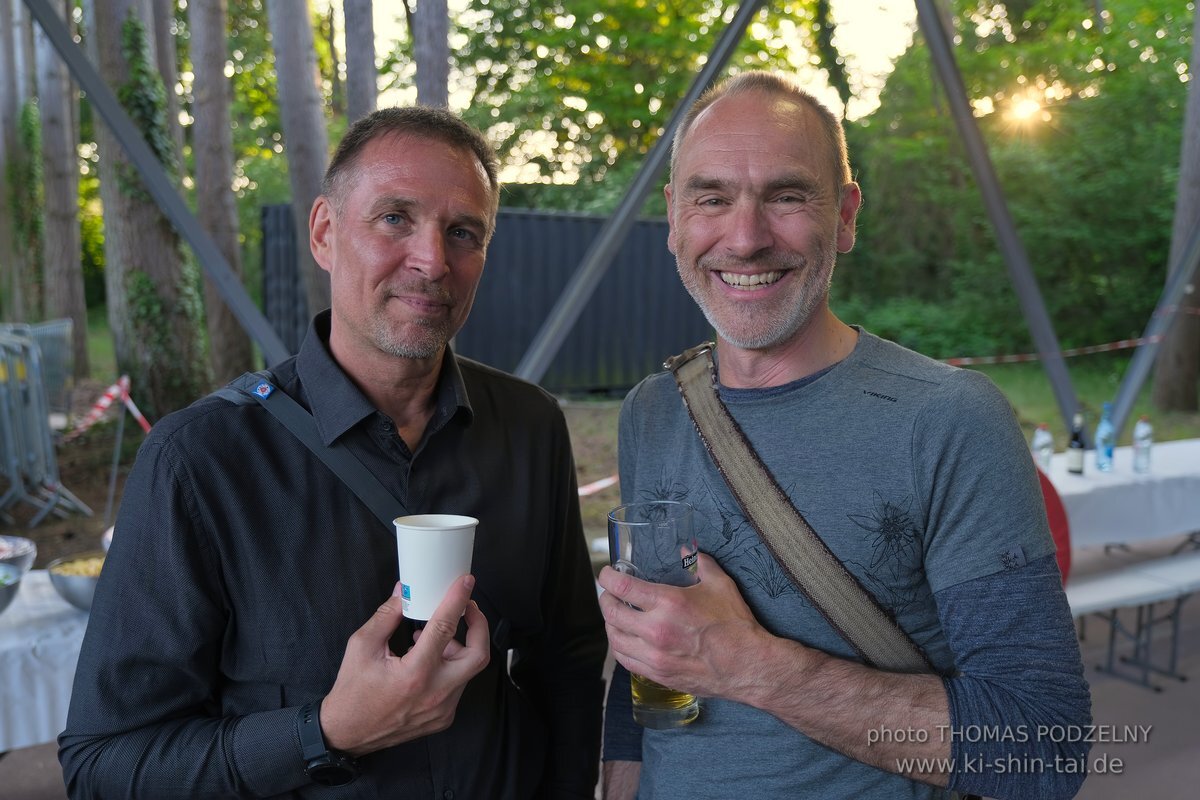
<point>756,217</point>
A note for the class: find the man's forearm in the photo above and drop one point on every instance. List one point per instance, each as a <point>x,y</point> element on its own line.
<point>879,718</point>
<point>621,779</point>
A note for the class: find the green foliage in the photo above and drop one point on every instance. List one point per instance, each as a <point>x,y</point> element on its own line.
<point>27,205</point>
<point>144,98</point>
<point>1089,179</point>
<point>260,167</point>
<point>173,380</point>
<point>578,92</point>
<point>91,227</point>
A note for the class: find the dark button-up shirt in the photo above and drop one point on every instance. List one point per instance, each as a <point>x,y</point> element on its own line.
<point>241,564</point>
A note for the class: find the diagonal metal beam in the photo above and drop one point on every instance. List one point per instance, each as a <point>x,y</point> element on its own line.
<point>1015,258</point>
<point>583,283</point>
<point>1182,274</point>
<point>159,185</point>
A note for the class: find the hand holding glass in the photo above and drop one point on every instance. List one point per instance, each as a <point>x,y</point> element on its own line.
<point>655,541</point>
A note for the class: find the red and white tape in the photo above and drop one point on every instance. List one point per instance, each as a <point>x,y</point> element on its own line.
<point>120,389</point>
<point>595,486</point>
<point>1124,344</point>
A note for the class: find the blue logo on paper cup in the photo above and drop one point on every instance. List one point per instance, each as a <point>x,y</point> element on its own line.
<point>405,592</point>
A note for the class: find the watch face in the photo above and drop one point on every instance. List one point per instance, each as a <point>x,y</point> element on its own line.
<point>331,772</point>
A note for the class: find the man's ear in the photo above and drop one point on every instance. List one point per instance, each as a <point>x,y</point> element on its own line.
<point>847,216</point>
<point>321,223</point>
<point>670,220</point>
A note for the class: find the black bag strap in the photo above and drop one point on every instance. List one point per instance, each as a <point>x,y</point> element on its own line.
<point>260,386</point>
<point>833,590</point>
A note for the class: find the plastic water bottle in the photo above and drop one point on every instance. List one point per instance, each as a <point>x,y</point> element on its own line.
<point>1042,446</point>
<point>1105,434</point>
<point>1143,437</point>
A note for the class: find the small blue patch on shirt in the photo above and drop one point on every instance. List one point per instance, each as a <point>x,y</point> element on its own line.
<point>1013,558</point>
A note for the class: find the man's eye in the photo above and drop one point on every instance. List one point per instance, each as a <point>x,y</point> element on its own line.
<point>392,219</point>
<point>464,234</point>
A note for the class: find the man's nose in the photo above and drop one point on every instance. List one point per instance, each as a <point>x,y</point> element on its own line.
<point>427,252</point>
<point>749,231</point>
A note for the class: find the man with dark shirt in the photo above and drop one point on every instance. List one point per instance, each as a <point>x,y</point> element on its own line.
<point>243,642</point>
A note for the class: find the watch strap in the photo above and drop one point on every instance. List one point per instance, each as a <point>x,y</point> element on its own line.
<point>312,741</point>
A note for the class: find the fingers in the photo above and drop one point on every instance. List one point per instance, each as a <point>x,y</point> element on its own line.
<point>478,631</point>
<point>437,641</point>
<point>442,625</point>
<point>629,589</point>
<point>375,632</point>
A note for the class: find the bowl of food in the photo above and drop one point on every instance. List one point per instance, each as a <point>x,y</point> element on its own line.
<point>18,552</point>
<point>16,557</point>
<point>10,581</point>
<point>75,577</point>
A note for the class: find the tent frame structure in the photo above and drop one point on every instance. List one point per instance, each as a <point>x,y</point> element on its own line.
<point>587,276</point>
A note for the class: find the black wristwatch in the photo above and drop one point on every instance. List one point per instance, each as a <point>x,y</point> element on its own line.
<point>326,767</point>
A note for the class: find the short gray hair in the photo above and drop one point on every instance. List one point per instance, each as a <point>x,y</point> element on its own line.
<point>770,83</point>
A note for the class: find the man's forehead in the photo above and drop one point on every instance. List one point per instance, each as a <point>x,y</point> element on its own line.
<point>753,123</point>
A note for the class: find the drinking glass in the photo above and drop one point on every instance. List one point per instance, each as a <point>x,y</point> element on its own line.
<point>656,541</point>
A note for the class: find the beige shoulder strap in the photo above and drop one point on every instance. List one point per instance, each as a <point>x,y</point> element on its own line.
<point>812,567</point>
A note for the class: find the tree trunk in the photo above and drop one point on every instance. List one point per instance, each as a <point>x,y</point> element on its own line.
<point>1178,363</point>
<point>164,53</point>
<point>212,136</point>
<point>304,133</point>
<point>362,76</point>
<point>431,52</point>
<point>63,270</point>
<point>153,306</point>
<point>23,174</point>
<point>11,264</point>
<point>336,101</point>
<point>26,60</point>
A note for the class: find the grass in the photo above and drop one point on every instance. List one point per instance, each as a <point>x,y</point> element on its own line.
<point>593,423</point>
<point>1096,378</point>
<point>101,358</point>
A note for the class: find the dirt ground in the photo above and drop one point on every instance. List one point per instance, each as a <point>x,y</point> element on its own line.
<point>85,467</point>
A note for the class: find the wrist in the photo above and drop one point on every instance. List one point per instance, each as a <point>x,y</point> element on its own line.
<point>324,765</point>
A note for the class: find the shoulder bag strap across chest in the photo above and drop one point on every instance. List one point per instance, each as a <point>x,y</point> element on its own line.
<point>852,611</point>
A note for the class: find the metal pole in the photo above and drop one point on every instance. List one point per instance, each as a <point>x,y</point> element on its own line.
<point>1143,359</point>
<point>1019,269</point>
<point>159,186</point>
<point>583,283</point>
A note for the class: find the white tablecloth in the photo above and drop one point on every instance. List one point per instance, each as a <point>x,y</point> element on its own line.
<point>40,637</point>
<point>1124,506</point>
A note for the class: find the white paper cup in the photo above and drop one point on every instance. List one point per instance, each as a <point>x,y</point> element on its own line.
<point>434,550</point>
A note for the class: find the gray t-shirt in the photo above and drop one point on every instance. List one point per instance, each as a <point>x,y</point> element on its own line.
<point>916,476</point>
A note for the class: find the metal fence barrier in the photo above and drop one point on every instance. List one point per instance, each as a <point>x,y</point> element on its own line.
<point>26,436</point>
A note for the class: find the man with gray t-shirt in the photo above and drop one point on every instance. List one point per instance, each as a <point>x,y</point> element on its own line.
<point>913,473</point>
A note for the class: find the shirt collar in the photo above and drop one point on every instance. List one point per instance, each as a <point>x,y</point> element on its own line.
<point>336,403</point>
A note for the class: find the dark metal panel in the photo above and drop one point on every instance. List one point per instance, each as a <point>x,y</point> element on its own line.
<point>606,246</point>
<point>638,315</point>
<point>285,303</point>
